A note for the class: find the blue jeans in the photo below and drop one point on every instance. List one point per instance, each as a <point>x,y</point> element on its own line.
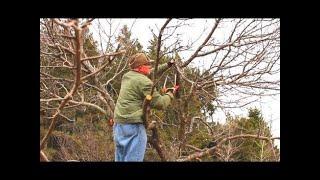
<point>130,142</point>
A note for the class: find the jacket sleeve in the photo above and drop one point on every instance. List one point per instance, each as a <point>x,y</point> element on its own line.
<point>158,101</point>
<point>161,69</point>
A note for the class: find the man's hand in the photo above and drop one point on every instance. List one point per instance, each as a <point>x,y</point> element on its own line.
<point>152,125</point>
<point>173,90</point>
<point>111,122</point>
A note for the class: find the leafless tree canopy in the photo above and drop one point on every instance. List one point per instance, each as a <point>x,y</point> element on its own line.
<point>243,64</point>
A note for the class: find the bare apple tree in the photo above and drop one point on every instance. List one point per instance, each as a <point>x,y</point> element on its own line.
<point>235,62</point>
<point>239,67</point>
<point>67,71</point>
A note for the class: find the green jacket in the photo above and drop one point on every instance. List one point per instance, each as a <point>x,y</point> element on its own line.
<point>134,88</point>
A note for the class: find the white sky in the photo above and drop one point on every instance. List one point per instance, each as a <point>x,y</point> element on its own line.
<point>269,105</point>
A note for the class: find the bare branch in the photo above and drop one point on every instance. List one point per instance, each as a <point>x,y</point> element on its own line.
<point>211,150</point>
<point>158,52</point>
<point>195,54</point>
<point>74,88</point>
<point>104,55</point>
<point>90,105</point>
<point>43,156</point>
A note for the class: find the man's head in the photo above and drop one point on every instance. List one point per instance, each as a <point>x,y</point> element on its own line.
<point>138,60</point>
<point>140,63</point>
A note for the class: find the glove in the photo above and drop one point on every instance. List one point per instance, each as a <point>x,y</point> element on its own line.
<point>111,122</point>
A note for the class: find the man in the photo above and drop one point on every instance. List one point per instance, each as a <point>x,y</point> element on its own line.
<point>129,132</point>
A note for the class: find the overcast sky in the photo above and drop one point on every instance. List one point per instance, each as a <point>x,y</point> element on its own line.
<point>141,29</point>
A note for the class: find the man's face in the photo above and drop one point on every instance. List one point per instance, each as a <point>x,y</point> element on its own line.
<point>144,69</point>
<point>148,67</point>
